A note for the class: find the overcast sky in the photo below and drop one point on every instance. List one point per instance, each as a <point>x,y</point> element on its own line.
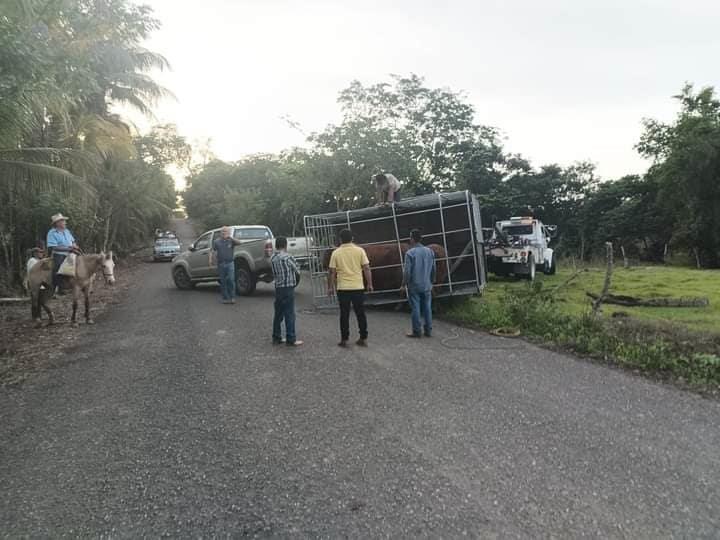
<point>564,80</point>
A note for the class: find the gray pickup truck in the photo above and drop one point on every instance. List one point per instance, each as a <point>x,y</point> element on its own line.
<point>252,259</point>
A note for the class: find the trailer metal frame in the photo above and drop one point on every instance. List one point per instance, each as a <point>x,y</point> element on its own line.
<point>463,242</point>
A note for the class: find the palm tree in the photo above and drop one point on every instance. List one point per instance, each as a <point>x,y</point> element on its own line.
<point>62,64</point>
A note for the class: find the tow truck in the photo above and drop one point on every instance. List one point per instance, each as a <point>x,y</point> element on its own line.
<point>519,246</point>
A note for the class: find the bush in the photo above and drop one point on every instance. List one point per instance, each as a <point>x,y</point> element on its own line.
<point>665,350</point>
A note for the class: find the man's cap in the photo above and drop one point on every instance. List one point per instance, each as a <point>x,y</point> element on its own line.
<point>57,217</point>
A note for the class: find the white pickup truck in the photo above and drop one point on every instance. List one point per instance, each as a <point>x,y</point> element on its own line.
<point>519,246</point>
<point>300,247</point>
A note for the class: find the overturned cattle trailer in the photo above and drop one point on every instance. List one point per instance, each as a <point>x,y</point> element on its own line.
<point>450,223</point>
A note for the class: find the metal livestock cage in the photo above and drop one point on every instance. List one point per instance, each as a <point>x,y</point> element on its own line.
<point>451,220</point>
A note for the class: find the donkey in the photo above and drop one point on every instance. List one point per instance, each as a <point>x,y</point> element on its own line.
<point>86,266</point>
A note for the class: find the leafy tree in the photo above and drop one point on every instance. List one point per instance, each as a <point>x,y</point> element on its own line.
<point>686,169</point>
<point>63,64</point>
<point>422,135</point>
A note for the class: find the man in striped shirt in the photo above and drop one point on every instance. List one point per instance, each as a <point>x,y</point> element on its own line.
<point>286,276</point>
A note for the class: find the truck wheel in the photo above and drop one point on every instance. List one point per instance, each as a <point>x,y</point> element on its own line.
<point>551,271</point>
<point>531,268</point>
<point>245,281</point>
<point>182,279</point>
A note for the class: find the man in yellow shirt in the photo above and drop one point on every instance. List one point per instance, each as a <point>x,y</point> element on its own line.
<point>348,264</point>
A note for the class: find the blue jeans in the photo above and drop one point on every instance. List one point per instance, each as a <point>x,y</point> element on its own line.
<point>284,310</point>
<point>226,275</point>
<point>421,307</point>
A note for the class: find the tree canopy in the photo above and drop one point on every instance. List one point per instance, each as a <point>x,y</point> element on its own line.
<point>429,138</point>
<point>63,66</point>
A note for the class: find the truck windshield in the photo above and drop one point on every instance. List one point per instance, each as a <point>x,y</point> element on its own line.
<point>251,233</point>
<point>167,242</point>
<point>518,230</point>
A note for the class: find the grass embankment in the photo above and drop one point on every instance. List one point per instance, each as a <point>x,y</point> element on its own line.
<point>680,343</point>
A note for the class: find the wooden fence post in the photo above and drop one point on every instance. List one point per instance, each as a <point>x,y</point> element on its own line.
<point>608,278</point>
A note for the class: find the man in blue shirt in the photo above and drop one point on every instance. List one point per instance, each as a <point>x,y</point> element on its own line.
<point>286,276</point>
<point>418,277</point>
<point>60,243</point>
<point>223,253</point>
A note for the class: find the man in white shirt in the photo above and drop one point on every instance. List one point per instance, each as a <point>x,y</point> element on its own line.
<point>387,188</point>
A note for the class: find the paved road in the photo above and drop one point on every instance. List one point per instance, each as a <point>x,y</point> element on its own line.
<point>178,417</point>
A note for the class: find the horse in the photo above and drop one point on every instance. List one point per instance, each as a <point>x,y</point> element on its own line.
<point>86,266</point>
<point>387,255</point>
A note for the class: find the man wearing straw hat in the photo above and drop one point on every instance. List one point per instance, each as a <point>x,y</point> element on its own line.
<point>60,243</point>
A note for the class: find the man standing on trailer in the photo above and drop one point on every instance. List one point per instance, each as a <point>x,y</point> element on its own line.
<point>418,277</point>
<point>348,264</point>
<point>387,189</point>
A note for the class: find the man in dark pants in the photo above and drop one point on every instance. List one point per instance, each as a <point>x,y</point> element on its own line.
<point>223,254</point>
<point>348,264</point>
<point>60,242</point>
<point>418,277</point>
<point>285,274</point>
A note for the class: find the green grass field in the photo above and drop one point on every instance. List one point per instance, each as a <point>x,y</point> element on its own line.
<point>641,282</point>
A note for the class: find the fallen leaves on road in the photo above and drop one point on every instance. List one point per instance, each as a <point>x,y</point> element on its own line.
<point>25,349</point>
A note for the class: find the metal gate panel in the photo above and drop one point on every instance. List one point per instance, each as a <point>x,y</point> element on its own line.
<point>450,220</point>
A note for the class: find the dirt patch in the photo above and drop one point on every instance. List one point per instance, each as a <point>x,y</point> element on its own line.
<point>25,349</point>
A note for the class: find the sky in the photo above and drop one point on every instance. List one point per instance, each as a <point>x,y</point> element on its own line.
<point>564,80</point>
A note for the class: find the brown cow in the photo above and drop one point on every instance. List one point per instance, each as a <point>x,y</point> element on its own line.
<point>387,256</point>
<point>441,265</point>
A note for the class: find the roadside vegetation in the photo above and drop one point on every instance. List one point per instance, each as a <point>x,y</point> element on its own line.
<point>680,343</point>
<point>66,68</point>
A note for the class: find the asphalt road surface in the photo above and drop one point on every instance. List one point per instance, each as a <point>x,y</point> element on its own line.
<point>178,417</point>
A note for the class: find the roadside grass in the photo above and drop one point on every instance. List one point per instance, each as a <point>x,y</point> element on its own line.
<point>677,343</point>
<point>640,281</point>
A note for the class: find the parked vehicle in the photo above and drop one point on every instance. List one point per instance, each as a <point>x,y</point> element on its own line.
<point>166,249</point>
<point>519,246</point>
<point>159,233</point>
<point>252,259</point>
<point>299,247</point>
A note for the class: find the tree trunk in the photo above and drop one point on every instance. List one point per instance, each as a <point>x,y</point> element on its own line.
<point>696,253</point>
<point>113,235</point>
<point>295,222</point>
<point>626,264</point>
<point>8,259</point>
<point>631,301</point>
<point>608,278</point>
<point>106,236</point>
